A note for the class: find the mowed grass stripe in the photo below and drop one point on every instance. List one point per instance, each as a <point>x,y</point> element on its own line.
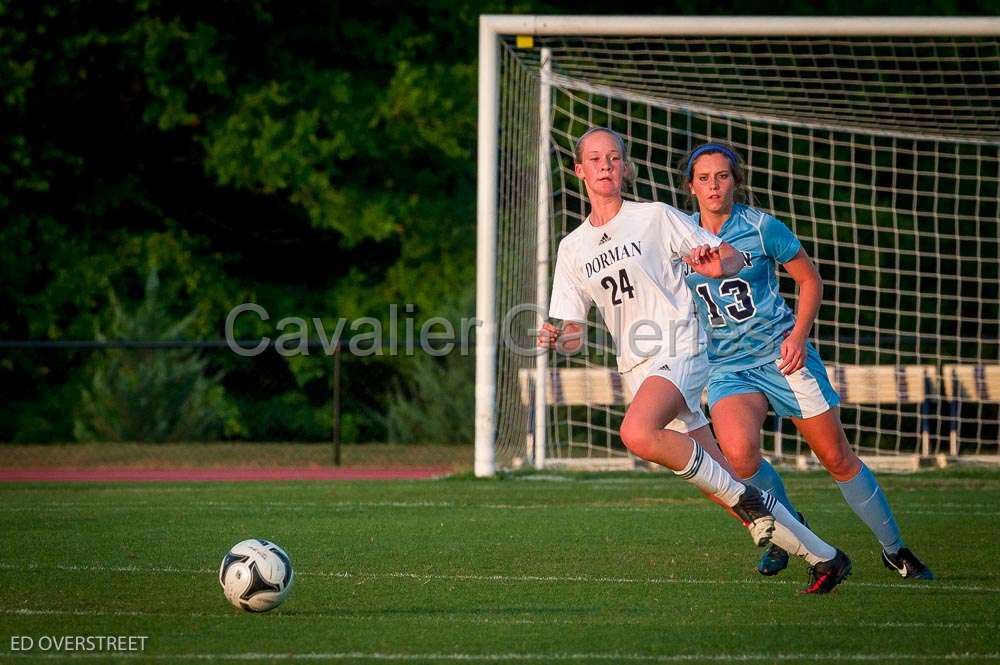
<point>534,657</point>
<point>666,505</point>
<point>347,615</point>
<point>504,579</point>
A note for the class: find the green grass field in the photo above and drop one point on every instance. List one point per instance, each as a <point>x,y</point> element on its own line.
<point>606,569</point>
<point>229,455</point>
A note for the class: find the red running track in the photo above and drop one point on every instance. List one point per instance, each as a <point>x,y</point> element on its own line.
<point>71,475</point>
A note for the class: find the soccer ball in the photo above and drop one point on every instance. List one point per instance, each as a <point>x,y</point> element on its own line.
<point>256,575</point>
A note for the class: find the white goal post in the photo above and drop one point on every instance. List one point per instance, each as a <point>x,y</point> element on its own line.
<point>875,138</point>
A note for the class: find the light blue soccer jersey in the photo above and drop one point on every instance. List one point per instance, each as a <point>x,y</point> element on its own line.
<point>745,316</point>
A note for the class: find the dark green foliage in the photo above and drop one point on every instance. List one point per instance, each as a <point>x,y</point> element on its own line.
<point>312,157</point>
<point>151,395</point>
<point>436,402</point>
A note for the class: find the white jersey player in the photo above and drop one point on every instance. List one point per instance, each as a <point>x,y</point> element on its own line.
<point>632,268</point>
<point>629,258</point>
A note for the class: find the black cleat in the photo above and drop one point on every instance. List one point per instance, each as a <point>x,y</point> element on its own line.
<point>775,559</point>
<point>754,508</point>
<point>907,565</point>
<point>826,575</point>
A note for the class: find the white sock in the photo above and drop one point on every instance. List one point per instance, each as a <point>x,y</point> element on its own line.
<point>797,539</point>
<point>705,473</point>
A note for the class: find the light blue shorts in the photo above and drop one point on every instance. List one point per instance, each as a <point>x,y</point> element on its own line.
<point>802,394</point>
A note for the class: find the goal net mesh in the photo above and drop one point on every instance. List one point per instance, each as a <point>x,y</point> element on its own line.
<point>881,154</point>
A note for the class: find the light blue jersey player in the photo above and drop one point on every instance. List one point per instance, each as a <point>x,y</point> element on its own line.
<point>761,357</point>
<point>747,320</point>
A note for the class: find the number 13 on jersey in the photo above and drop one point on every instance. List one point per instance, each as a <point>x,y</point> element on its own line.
<point>739,311</point>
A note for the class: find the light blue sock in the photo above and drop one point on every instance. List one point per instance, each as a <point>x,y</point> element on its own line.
<point>767,480</point>
<point>866,498</point>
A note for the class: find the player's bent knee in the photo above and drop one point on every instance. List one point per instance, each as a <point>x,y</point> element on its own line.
<point>840,463</point>
<point>744,462</point>
<point>637,438</point>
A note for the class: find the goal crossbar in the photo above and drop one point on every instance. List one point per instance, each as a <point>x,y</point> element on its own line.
<point>744,26</point>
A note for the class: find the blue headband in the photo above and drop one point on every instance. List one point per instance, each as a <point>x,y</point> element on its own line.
<point>712,147</point>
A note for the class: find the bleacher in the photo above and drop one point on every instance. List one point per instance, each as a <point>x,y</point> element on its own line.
<point>928,391</point>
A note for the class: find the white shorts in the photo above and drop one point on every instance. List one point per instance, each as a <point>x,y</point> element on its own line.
<point>688,373</point>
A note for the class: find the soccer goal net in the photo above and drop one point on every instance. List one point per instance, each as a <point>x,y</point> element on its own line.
<point>875,141</point>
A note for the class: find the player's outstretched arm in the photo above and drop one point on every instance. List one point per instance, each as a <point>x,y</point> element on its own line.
<point>718,262</point>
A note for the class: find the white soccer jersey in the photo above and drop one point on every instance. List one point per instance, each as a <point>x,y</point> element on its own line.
<point>631,268</point>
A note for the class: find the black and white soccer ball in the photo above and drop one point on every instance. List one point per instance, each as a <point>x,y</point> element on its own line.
<point>256,575</point>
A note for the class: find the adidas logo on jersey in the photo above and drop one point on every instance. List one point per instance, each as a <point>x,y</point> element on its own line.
<point>604,238</point>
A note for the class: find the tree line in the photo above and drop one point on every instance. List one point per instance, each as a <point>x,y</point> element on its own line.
<point>163,162</point>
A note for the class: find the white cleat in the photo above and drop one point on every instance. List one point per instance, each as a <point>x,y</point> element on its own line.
<point>754,508</point>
